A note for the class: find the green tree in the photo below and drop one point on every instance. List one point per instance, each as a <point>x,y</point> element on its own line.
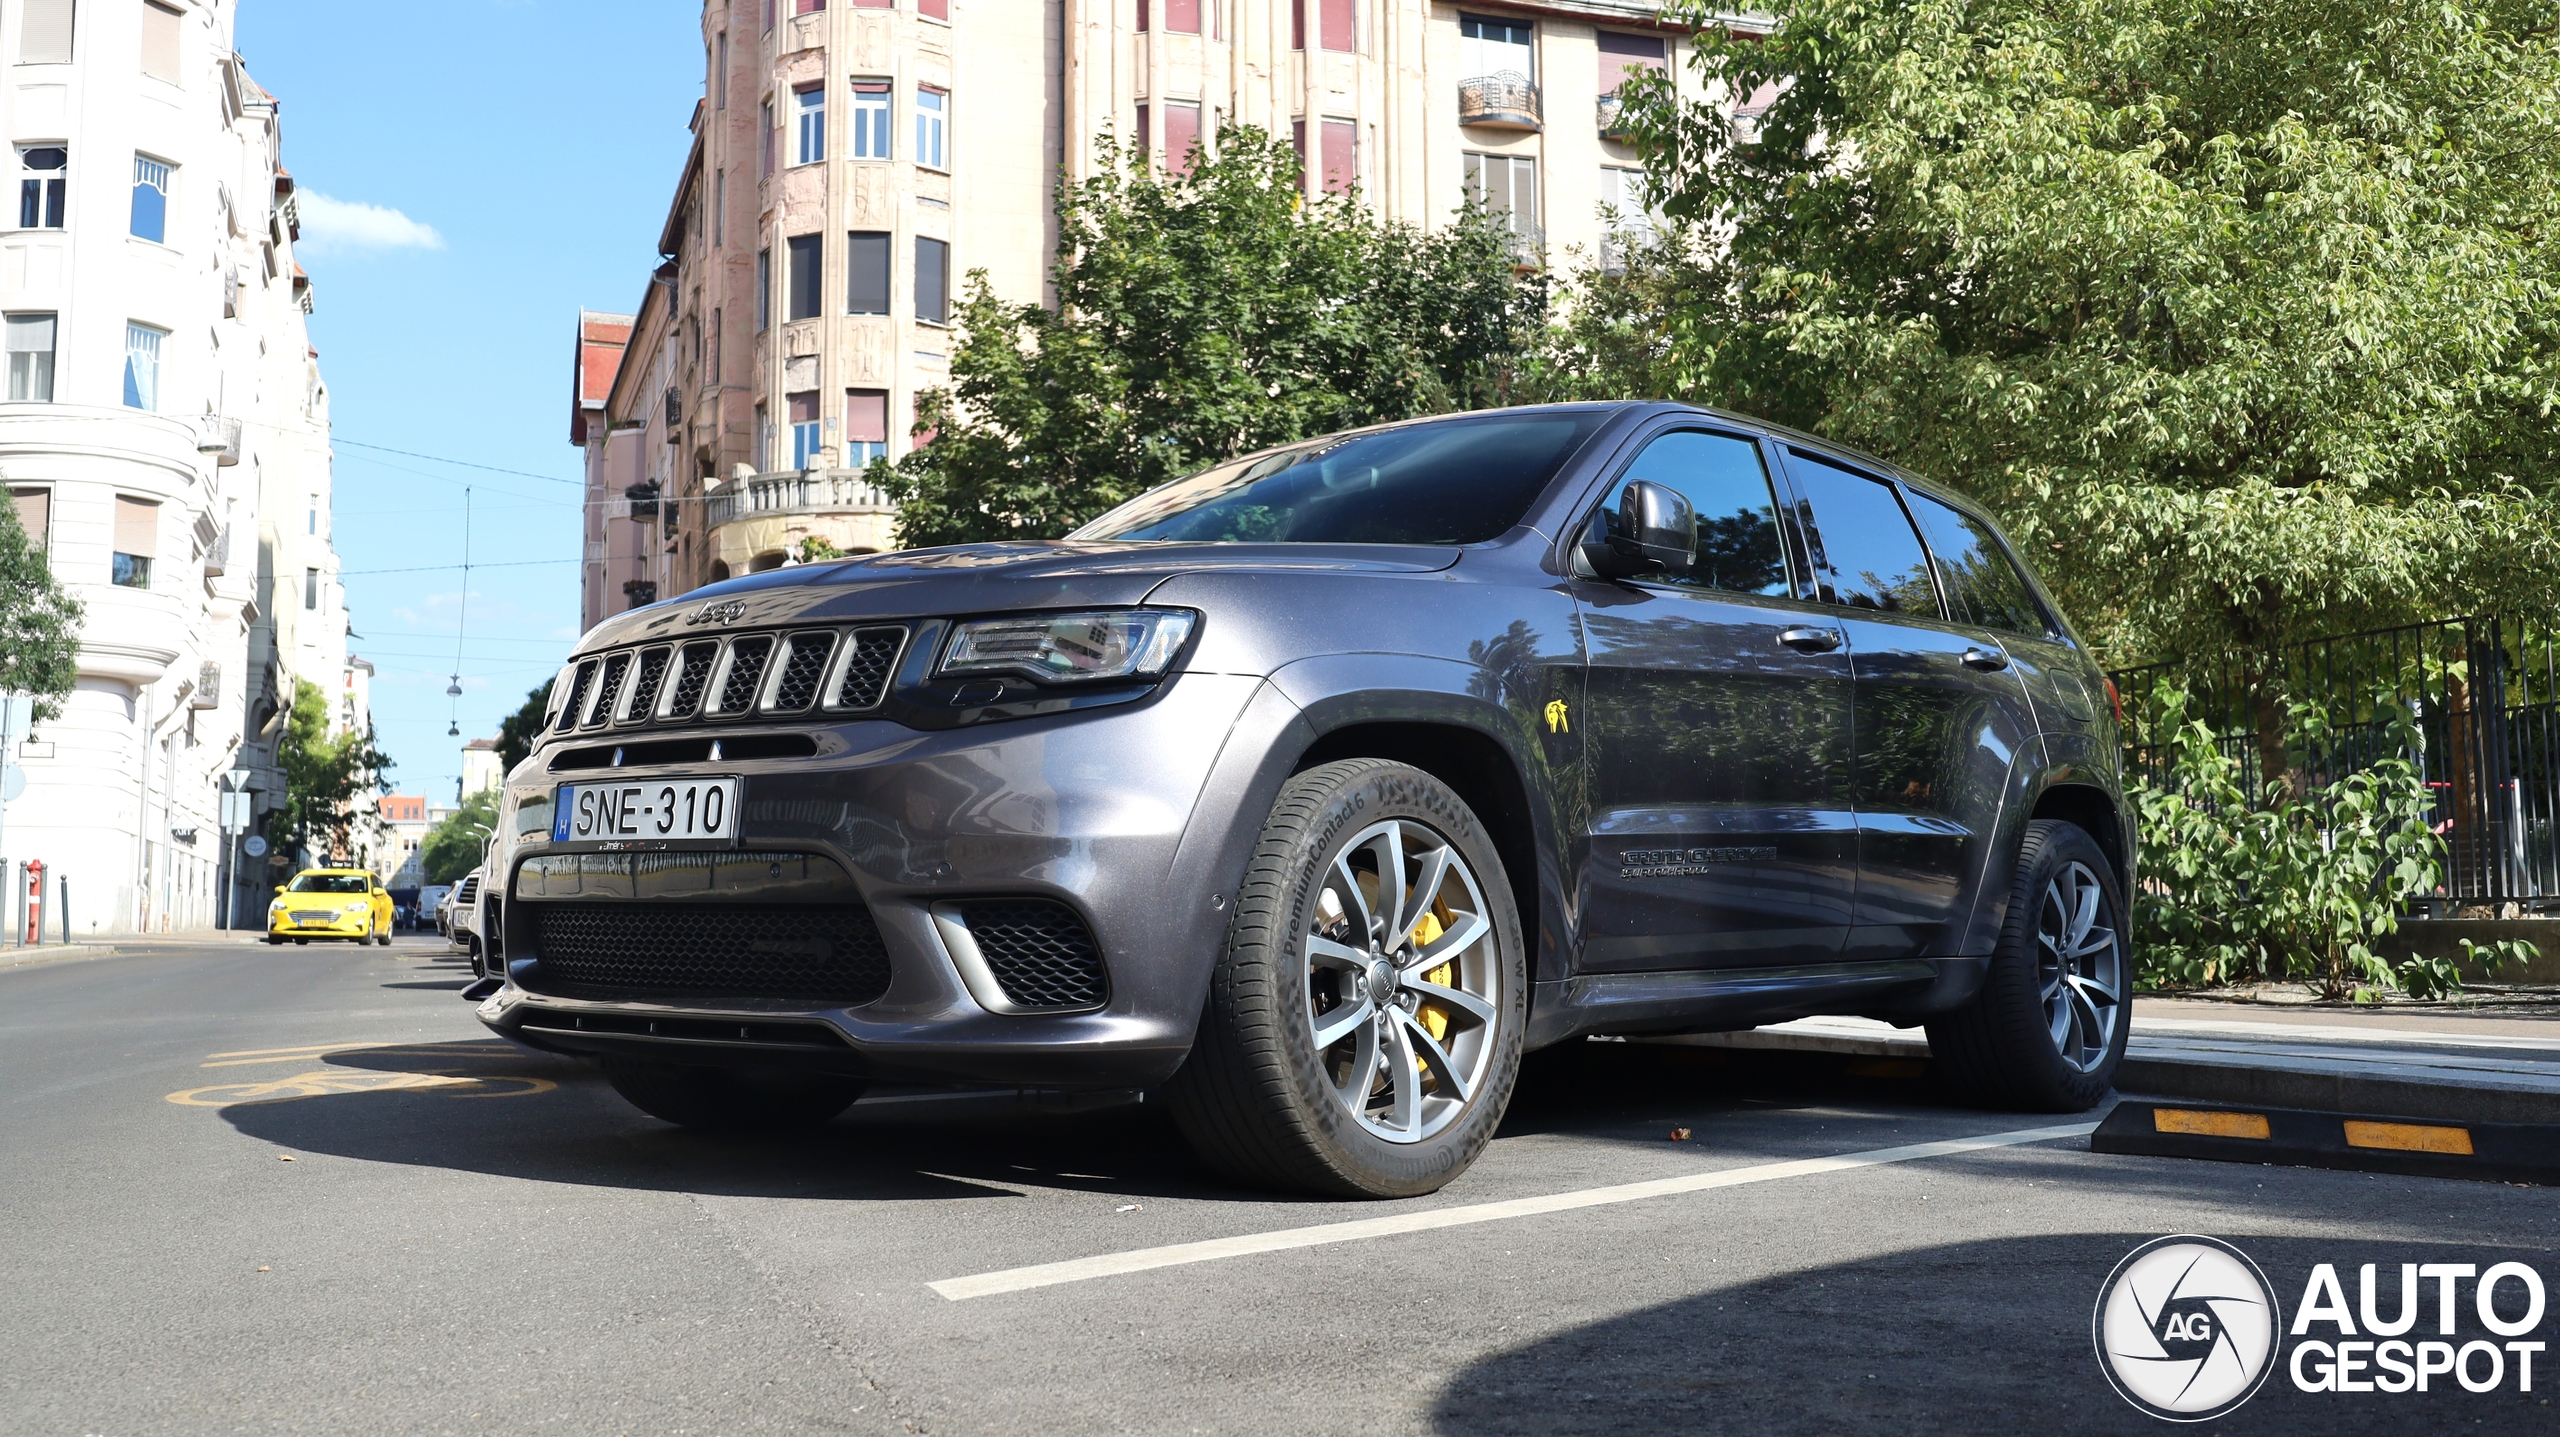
<point>39,623</point>
<point>452,848</point>
<point>322,777</point>
<point>523,728</point>
<point>2241,314</point>
<point>1201,316</point>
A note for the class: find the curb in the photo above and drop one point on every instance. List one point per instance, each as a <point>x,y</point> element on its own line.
<point>2277,1082</point>
<point>2289,1137</point>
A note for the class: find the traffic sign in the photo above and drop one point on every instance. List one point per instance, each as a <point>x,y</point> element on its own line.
<point>255,847</point>
<point>13,781</point>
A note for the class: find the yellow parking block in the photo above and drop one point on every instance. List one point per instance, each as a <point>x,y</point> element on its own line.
<point>2408,1137</point>
<point>2210,1125</point>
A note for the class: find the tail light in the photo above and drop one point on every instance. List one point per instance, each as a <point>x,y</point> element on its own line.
<point>2116,699</point>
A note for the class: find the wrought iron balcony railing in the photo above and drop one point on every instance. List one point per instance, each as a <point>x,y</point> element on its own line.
<point>1504,100</point>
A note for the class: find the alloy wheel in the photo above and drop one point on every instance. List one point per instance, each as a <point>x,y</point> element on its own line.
<point>1402,980</point>
<point>2079,966</point>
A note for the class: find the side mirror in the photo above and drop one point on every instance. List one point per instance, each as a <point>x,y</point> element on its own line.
<point>279,888</point>
<point>1652,529</point>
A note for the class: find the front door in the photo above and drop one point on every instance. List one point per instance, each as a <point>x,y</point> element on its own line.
<point>1940,717</point>
<point>1721,832</point>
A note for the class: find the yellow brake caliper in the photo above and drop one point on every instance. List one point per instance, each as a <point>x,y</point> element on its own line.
<point>1434,1019</point>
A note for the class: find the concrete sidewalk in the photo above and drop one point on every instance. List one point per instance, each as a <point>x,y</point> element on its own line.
<point>2424,1063</point>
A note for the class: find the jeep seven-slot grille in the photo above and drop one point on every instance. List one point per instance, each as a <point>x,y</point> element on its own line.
<point>733,678</point>
<point>802,667</point>
<point>868,669</point>
<point>827,954</point>
<point>746,674</point>
<point>692,679</point>
<point>1038,950</point>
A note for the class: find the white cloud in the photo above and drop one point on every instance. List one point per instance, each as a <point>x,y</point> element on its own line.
<point>352,225</point>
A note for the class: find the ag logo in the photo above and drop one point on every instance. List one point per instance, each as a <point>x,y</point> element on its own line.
<point>728,612</point>
<point>2186,1328</point>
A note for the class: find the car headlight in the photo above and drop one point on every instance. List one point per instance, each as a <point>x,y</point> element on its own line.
<point>1070,648</point>
<point>359,906</point>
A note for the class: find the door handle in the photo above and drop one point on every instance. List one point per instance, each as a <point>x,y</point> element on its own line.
<point>1988,660</point>
<point>1810,641</point>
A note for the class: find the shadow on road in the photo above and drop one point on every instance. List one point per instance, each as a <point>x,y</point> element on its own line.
<point>1967,1337</point>
<point>488,1106</point>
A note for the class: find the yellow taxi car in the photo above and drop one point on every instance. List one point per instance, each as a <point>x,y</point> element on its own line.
<point>347,903</point>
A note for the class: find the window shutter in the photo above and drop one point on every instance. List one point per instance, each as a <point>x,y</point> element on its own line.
<point>808,260</point>
<point>804,406</point>
<point>866,416</point>
<point>867,263</point>
<point>137,527</point>
<point>1181,133</point>
<point>933,280</point>
<point>1339,31</point>
<point>1624,55</point>
<point>1341,155</point>
<point>44,32</point>
<point>934,9</point>
<point>160,41</point>
<point>35,514</point>
<point>1182,17</point>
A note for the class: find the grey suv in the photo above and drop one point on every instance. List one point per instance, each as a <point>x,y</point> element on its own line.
<point>1312,790</point>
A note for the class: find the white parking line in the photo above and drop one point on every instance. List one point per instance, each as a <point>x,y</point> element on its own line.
<point>1050,1274</point>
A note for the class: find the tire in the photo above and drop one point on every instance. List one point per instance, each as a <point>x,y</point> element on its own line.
<point>2003,1049</point>
<point>383,938</point>
<point>723,1100</point>
<point>301,942</point>
<point>471,949</point>
<point>275,940</point>
<point>1267,1102</point>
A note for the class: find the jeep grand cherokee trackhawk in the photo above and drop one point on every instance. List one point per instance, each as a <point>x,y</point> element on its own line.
<point>1313,789</point>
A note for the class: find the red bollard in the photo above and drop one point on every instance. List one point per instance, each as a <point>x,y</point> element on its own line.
<point>34,933</point>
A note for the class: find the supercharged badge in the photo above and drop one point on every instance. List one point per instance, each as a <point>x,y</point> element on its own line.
<point>1673,862</point>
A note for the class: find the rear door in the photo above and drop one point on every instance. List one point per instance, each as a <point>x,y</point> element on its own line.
<point>1940,715</point>
<point>1716,729</point>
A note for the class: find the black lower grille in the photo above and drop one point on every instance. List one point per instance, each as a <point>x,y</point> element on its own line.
<point>1038,950</point>
<point>823,954</point>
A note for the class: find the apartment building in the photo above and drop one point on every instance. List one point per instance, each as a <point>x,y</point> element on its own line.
<point>164,436</point>
<point>852,162</point>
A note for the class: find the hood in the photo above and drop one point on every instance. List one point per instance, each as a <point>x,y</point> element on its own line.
<point>988,578</point>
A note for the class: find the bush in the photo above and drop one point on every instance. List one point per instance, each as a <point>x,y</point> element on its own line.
<point>2283,884</point>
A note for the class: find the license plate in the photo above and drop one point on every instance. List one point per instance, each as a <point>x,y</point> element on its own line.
<point>667,810</point>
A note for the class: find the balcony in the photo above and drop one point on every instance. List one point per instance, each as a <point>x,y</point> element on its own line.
<point>795,492</point>
<point>1504,100</point>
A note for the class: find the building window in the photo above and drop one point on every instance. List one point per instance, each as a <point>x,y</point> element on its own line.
<point>866,426</point>
<point>934,10</point>
<point>808,265</point>
<point>150,199</point>
<point>764,439</point>
<point>1624,55</point>
<point>933,111</point>
<point>807,7</point>
<point>1495,47</point>
<point>764,290</point>
<point>719,207</point>
<point>715,345</point>
<point>1182,17</point>
<point>1339,32</point>
<point>804,428</point>
<point>1340,162</point>
<point>867,271</point>
<point>311,588</point>
<point>1507,186</point>
<point>720,70</point>
<point>1181,134</point>
<point>1143,7</point>
<point>1146,134</point>
<point>142,366</point>
<point>768,14</point>
<point>160,28</point>
<point>44,32</point>
<point>311,515</point>
<point>30,358</point>
<point>810,108</point>
<point>42,169</point>
<point>35,514</point>
<point>1297,24</point>
<point>137,540</point>
<point>933,280</point>
<point>871,119</point>
<point>767,151</point>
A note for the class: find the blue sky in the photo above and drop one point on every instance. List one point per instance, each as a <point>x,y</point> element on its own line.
<point>473,172</point>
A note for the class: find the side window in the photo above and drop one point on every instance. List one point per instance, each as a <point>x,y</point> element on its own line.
<point>1983,585</point>
<point>1864,551</point>
<point>1728,489</point>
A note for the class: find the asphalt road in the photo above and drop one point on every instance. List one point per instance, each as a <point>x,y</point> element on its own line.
<point>469,1238</point>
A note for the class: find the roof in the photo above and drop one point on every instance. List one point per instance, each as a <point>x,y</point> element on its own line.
<point>602,338</point>
<point>484,744</point>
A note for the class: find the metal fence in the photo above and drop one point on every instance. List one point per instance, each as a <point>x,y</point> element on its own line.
<point>2485,695</point>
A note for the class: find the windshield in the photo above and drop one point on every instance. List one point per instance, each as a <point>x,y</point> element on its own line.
<point>330,883</point>
<point>1454,481</point>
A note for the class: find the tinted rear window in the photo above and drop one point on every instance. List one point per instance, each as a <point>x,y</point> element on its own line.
<point>1455,481</point>
<point>1982,584</point>
<point>1862,537</point>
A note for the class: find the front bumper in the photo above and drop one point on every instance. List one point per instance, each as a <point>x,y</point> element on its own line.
<point>1137,817</point>
<point>284,925</point>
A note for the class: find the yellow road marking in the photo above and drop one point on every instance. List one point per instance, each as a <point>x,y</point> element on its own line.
<point>2409,1137</point>
<point>2209,1125</point>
